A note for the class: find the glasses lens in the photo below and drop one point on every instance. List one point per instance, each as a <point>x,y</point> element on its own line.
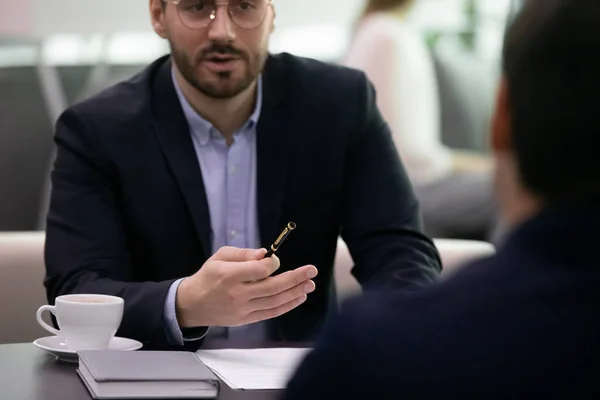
<point>248,13</point>
<point>196,13</point>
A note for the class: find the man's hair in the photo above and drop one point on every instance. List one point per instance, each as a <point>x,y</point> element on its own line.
<point>385,5</point>
<point>551,62</point>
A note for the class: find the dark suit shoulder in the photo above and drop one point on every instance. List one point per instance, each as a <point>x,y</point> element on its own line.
<point>119,104</point>
<point>327,84</point>
<point>471,292</point>
<point>500,320</point>
<point>473,307</point>
<point>317,72</point>
<point>328,93</point>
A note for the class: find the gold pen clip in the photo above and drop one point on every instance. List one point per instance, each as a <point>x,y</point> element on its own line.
<point>284,234</point>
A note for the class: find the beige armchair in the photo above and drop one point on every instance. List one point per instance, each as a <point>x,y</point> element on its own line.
<point>22,273</point>
<point>21,285</point>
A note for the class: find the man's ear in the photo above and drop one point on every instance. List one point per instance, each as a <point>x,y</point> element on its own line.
<point>501,125</point>
<point>274,17</point>
<point>157,13</point>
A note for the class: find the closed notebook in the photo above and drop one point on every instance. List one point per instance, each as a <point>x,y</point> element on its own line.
<point>113,374</point>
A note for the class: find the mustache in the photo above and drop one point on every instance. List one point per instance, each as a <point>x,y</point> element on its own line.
<point>220,49</point>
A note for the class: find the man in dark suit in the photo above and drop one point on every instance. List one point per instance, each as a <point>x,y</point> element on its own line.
<point>524,323</point>
<point>187,169</point>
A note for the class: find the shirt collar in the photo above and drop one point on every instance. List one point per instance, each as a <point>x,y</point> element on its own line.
<point>202,128</point>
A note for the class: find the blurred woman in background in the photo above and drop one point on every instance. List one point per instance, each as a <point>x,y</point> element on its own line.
<point>454,188</point>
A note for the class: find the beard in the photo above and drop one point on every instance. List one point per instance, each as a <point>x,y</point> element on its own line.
<point>222,85</point>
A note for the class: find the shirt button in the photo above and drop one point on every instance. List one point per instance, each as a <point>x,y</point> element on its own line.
<point>233,234</point>
<point>233,170</point>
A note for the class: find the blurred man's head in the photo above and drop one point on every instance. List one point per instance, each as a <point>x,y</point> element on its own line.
<point>219,47</point>
<point>546,134</point>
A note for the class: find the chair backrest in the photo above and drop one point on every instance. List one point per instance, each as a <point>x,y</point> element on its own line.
<point>467,91</point>
<point>79,82</point>
<point>25,147</point>
<point>454,254</point>
<point>457,253</point>
<point>21,286</point>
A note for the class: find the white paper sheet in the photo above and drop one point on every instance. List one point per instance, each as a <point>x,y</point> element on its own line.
<point>254,369</point>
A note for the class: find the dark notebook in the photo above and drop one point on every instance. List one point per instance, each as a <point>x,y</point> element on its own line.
<point>113,374</point>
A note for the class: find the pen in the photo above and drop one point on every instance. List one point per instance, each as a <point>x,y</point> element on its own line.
<point>284,234</point>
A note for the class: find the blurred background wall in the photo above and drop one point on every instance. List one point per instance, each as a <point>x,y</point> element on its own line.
<point>56,52</point>
<point>67,21</point>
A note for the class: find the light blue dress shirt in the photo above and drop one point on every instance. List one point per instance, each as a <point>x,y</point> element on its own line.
<point>229,175</point>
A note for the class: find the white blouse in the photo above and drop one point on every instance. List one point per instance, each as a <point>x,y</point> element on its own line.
<point>396,60</point>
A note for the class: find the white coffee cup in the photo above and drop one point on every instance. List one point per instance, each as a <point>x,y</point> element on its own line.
<point>86,321</point>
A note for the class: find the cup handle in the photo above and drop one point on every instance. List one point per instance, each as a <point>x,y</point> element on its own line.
<point>43,323</point>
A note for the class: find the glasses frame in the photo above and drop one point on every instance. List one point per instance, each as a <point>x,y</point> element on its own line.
<point>213,15</point>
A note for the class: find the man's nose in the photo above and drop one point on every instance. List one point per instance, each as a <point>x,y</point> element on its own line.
<point>221,28</point>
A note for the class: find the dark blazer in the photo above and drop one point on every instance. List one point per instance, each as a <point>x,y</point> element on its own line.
<point>129,215</point>
<point>524,323</point>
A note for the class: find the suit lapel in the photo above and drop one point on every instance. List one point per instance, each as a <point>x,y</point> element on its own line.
<point>173,134</point>
<point>272,154</point>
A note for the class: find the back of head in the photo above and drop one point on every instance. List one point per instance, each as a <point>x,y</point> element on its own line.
<point>552,69</point>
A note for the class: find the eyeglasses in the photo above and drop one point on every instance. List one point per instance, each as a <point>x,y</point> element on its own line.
<point>198,14</point>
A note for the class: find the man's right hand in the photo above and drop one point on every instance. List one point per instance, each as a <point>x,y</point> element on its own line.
<point>235,287</point>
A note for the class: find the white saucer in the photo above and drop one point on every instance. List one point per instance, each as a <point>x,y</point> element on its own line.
<point>53,345</point>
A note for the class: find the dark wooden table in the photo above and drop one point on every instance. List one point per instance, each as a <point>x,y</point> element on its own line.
<point>28,373</point>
